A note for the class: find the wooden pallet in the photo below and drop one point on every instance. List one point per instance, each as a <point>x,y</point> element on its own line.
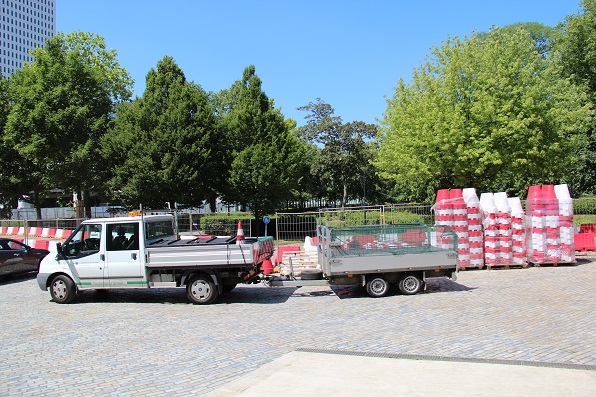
<point>477,267</point>
<point>508,266</point>
<point>300,260</point>
<point>553,264</point>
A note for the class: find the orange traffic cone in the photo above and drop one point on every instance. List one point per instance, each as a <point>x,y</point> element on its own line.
<point>240,233</point>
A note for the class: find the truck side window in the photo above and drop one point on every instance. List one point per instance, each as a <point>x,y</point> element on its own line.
<point>123,236</point>
<point>85,241</point>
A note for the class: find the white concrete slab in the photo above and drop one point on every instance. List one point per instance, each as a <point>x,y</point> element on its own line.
<point>309,374</point>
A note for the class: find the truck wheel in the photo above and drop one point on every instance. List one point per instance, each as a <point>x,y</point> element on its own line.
<point>201,290</point>
<point>62,289</point>
<point>377,287</point>
<point>410,284</point>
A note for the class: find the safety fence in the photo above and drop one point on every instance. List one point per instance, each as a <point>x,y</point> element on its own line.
<point>292,226</point>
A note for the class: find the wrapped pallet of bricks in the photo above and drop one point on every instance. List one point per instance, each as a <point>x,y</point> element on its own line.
<point>475,233</point>
<point>535,225</point>
<point>566,231</point>
<point>518,232</point>
<point>491,229</point>
<point>551,220</point>
<point>460,226</point>
<point>505,254</point>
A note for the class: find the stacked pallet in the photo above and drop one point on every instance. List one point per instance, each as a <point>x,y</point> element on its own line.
<point>297,261</point>
<point>475,234</point>
<point>518,232</point>
<point>490,228</point>
<point>566,231</point>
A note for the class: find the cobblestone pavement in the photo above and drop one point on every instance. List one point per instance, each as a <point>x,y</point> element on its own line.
<point>147,343</point>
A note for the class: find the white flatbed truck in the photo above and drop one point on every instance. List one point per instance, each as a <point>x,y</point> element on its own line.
<point>146,252</point>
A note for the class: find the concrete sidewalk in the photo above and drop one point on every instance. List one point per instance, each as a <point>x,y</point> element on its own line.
<point>302,373</point>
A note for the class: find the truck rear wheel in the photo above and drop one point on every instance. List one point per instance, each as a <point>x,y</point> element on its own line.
<point>410,284</point>
<point>201,290</point>
<point>62,289</point>
<point>377,287</point>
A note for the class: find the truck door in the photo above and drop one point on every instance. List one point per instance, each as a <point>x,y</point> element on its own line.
<point>123,256</point>
<point>84,255</point>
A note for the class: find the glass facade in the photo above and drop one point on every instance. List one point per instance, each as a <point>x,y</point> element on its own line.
<point>25,25</point>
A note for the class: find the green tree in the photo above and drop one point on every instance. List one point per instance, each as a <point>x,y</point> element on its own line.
<point>62,103</point>
<point>489,111</point>
<point>345,157</point>
<point>578,49</point>
<point>162,146</point>
<point>7,155</point>
<point>265,154</point>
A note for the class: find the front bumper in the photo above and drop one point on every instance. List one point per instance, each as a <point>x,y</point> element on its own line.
<point>42,281</point>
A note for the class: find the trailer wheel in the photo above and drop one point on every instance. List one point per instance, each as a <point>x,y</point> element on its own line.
<point>62,289</point>
<point>377,287</point>
<point>410,284</point>
<point>201,290</point>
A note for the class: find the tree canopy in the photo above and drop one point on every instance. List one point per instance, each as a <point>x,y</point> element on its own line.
<point>489,111</point>
<point>345,156</point>
<point>265,153</point>
<point>61,105</point>
<point>160,149</point>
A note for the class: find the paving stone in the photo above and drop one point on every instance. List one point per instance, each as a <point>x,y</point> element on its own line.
<point>153,342</point>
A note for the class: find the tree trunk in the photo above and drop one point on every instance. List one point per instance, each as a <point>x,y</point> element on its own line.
<point>87,198</point>
<point>37,204</point>
<point>345,196</point>
<point>212,200</point>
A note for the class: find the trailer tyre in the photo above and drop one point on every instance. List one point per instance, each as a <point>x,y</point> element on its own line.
<point>201,290</point>
<point>410,284</point>
<point>377,287</point>
<point>62,289</point>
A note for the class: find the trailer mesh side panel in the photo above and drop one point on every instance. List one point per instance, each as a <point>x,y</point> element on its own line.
<point>389,240</point>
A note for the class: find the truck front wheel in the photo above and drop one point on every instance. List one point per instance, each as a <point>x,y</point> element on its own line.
<point>377,287</point>
<point>62,289</point>
<point>410,284</point>
<point>201,290</point>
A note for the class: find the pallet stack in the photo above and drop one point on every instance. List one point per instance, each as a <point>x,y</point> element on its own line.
<point>505,254</point>
<point>460,226</point>
<point>518,232</point>
<point>491,229</point>
<point>566,231</point>
<point>475,234</point>
<point>536,225</point>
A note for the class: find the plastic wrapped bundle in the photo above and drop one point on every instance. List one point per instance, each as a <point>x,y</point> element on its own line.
<point>491,228</point>
<point>552,226</point>
<point>460,226</point>
<point>518,232</point>
<point>505,254</point>
<point>443,209</point>
<point>566,231</point>
<point>475,233</point>
<point>536,226</point>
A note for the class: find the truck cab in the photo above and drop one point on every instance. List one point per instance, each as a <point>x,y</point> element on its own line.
<point>107,253</point>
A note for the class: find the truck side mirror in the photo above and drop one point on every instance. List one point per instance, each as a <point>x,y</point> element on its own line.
<point>60,254</point>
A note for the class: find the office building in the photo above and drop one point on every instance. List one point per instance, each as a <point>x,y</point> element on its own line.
<point>25,25</point>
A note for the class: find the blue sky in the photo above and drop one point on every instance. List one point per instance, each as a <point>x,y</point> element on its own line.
<point>349,53</point>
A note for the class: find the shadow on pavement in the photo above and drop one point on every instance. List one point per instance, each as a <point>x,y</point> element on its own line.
<point>17,278</point>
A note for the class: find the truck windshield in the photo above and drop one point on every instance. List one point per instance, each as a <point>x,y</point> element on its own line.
<point>159,230</point>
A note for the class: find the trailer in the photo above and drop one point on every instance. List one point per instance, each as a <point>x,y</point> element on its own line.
<point>146,252</point>
<point>379,257</point>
